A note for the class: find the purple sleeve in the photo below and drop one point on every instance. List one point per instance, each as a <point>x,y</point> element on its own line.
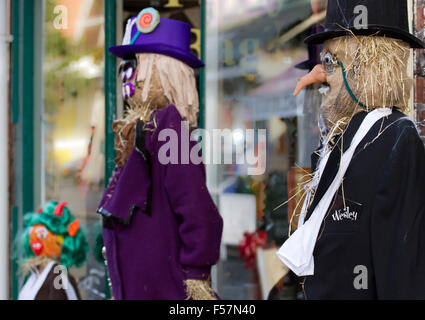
<point>200,224</point>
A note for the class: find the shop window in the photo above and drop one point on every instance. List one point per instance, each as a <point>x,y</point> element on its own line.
<point>73,123</point>
<point>255,54</point>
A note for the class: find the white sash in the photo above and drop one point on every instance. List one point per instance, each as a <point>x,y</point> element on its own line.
<point>297,252</point>
<point>33,284</point>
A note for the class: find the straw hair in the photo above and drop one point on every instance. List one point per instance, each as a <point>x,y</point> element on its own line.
<point>163,80</point>
<point>38,262</point>
<point>160,80</point>
<point>124,130</point>
<point>376,70</point>
<point>199,290</point>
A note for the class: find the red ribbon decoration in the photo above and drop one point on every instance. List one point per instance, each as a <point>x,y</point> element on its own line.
<point>248,247</point>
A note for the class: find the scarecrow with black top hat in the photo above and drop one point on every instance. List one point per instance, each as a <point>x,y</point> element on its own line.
<point>361,231</point>
<point>52,241</point>
<point>161,228</point>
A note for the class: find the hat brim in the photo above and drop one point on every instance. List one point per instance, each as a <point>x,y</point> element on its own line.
<point>129,51</point>
<point>306,65</point>
<point>374,30</point>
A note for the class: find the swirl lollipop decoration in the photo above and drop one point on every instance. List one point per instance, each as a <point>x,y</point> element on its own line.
<point>147,20</point>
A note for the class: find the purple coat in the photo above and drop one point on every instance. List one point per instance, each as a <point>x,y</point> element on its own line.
<point>160,224</point>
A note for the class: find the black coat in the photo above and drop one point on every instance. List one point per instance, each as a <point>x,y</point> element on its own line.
<point>384,192</point>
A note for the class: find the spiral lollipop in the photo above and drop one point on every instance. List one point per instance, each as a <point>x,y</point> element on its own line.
<point>147,20</point>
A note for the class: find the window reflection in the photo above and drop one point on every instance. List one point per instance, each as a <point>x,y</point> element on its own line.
<point>74,122</point>
<point>255,54</point>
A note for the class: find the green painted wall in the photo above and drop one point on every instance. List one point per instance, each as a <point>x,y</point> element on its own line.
<point>110,86</point>
<point>24,15</point>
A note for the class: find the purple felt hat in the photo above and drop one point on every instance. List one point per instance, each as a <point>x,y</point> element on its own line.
<point>148,33</point>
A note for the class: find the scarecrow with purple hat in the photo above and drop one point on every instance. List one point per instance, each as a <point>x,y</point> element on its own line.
<point>161,228</point>
<point>361,231</point>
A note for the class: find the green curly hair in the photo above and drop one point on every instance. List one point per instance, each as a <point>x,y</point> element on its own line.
<point>74,248</point>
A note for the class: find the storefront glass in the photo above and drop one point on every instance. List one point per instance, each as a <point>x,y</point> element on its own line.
<point>73,123</point>
<point>252,52</point>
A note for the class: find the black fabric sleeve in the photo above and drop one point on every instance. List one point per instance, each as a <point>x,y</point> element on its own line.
<point>398,221</point>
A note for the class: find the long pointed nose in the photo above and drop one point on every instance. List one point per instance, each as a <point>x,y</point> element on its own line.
<point>316,75</point>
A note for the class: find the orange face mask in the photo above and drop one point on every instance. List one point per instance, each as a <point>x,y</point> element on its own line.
<point>45,243</point>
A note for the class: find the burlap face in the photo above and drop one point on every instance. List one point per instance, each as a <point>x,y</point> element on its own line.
<point>376,70</point>
<point>159,80</point>
<point>148,92</point>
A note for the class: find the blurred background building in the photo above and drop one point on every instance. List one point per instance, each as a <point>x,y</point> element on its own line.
<point>60,94</point>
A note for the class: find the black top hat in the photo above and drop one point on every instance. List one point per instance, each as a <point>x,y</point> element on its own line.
<point>384,17</point>
<point>313,51</point>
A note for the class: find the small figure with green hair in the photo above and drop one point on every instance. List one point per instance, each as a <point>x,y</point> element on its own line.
<point>52,241</point>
